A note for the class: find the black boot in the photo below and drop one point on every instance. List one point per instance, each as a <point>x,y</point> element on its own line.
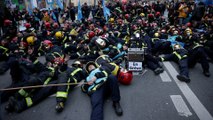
<point>20,106</point>
<point>59,107</point>
<point>10,106</point>
<point>18,96</point>
<point>183,78</point>
<point>207,73</point>
<point>158,70</point>
<point>118,109</point>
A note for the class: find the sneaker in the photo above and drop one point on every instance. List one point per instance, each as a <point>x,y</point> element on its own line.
<point>183,78</point>
<point>59,107</point>
<point>117,108</point>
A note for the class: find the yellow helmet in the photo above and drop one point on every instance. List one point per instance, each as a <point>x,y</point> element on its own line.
<point>59,34</point>
<point>156,35</point>
<point>111,20</point>
<point>30,40</point>
<point>142,14</point>
<point>188,31</point>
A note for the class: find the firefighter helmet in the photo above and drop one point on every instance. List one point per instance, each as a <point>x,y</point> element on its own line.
<point>88,65</point>
<point>142,15</point>
<point>125,77</point>
<point>55,25</point>
<point>103,59</point>
<point>111,20</point>
<point>101,43</point>
<point>77,63</point>
<point>47,25</point>
<point>7,22</point>
<point>47,43</point>
<point>156,35</point>
<point>27,25</point>
<point>91,34</point>
<point>188,31</point>
<point>59,35</point>
<point>30,40</point>
<point>188,24</point>
<point>157,14</point>
<point>127,16</point>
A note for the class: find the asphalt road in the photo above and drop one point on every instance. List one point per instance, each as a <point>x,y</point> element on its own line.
<point>149,97</point>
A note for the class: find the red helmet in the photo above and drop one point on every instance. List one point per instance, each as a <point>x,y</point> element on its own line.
<point>157,14</point>
<point>27,25</point>
<point>55,25</point>
<point>127,16</point>
<point>47,25</point>
<point>7,22</point>
<point>134,27</point>
<point>188,24</point>
<point>105,28</point>
<point>125,77</point>
<point>120,21</point>
<point>150,16</point>
<point>23,45</point>
<point>47,43</point>
<point>91,34</point>
<point>139,21</point>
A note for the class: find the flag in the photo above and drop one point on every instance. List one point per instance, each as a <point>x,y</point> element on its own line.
<point>50,4</point>
<point>34,4</point>
<point>106,10</point>
<point>60,4</point>
<point>53,16</point>
<point>29,10</point>
<point>80,16</point>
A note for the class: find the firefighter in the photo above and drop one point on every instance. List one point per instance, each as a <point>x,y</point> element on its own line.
<point>74,75</point>
<point>180,56</point>
<point>99,84</point>
<point>125,77</point>
<point>26,98</point>
<point>62,38</point>
<point>160,46</point>
<point>140,41</point>
<point>4,56</point>
<point>197,51</point>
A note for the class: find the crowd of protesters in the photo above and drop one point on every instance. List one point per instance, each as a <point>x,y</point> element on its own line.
<point>101,43</point>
